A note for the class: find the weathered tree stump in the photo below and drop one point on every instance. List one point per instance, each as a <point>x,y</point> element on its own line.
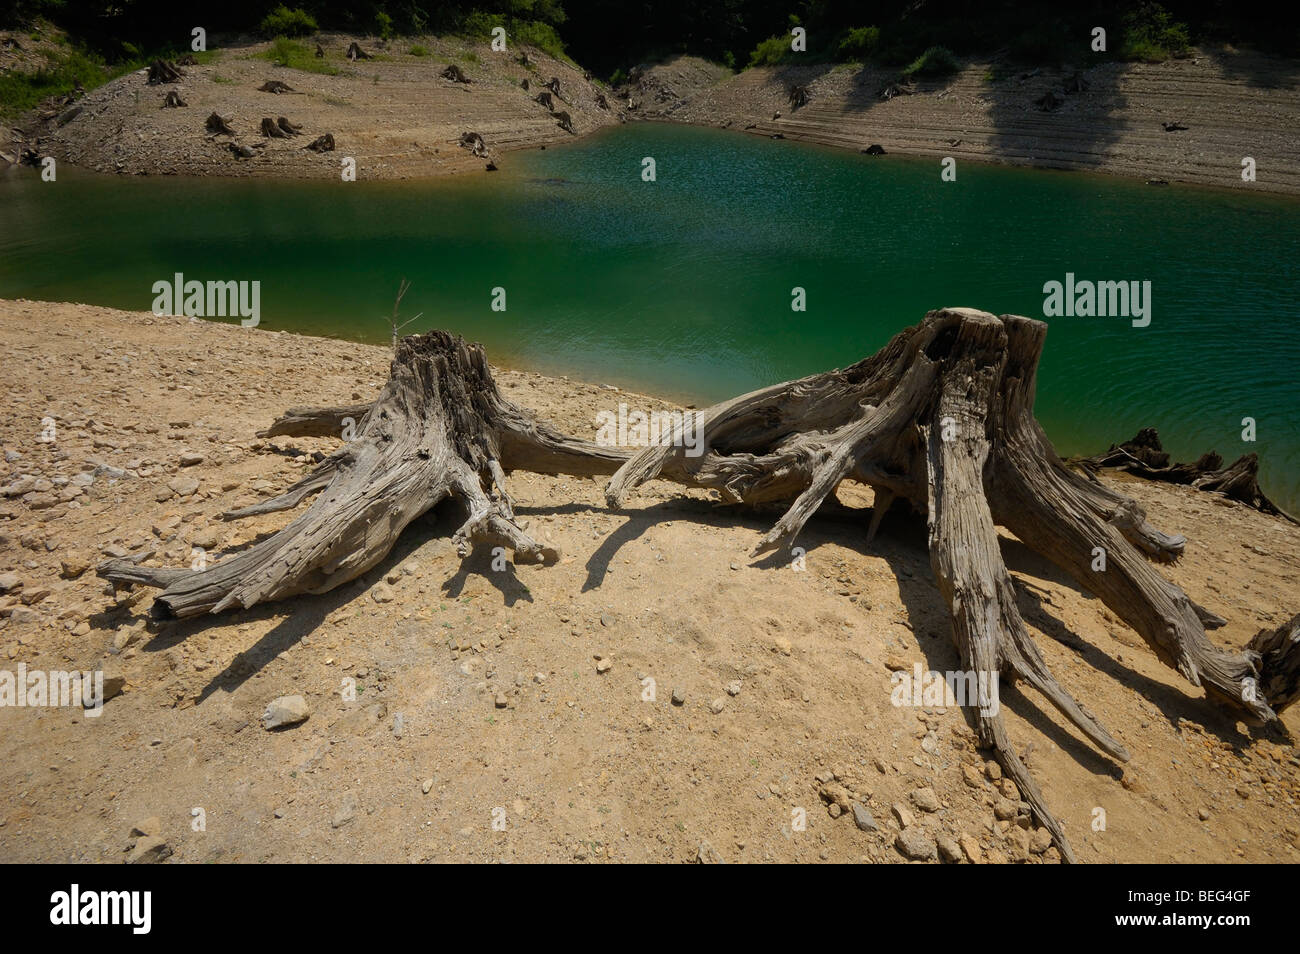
<point>356,53</point>
<point>218,126</point>
<point>455,74</point>
<point>173,100</point>
<point>941,417</point>
<point>291,129</point>
<point>275,86</point>
<point>564,121</point>
<point>1143,456</point>
<point>323,143</point>
<point>525,84</point>
<point>271,130</point>
<point>320,52</point>
<point>161,71</point>
<point>187,60</point>
<point>474,143</point>
<point>798,96</point>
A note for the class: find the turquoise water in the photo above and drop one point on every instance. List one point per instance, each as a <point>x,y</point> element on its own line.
<point>682,286</point>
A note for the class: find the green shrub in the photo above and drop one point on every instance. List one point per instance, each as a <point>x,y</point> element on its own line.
<point>858,43</point>
<point>618,77</point>
<point>383,24</point>
<point>729,60</point>
<point>538,34</point>
<point>1151,35</point>
<point>286,52</point>
<point>419,50</point>
<point>285,22</point>
<point>21,90</point>
<point>770,52</point>
<point>936,61</point>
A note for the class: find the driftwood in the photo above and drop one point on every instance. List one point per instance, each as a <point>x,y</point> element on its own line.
<point>217,125</point>
<point>1143,456</point>
<point>940,418</point>
<point>173,99</point>
<point>356,53</point>
<point>455,74</point>
<point>161,71</point>
<point>323,143</point>
<point>275,86</point>
<point>271,130</point>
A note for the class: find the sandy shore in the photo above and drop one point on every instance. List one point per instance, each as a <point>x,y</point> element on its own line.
<point>785,674</point>
<point>1234,105</point>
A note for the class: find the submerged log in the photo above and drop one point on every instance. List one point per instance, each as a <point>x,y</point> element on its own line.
<point>941,417</point>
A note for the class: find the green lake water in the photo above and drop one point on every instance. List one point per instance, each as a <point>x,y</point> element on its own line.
<point>682,286</point>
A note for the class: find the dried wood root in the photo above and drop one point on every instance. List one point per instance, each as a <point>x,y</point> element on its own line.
<point>943,417</point>
<point>440,429</point>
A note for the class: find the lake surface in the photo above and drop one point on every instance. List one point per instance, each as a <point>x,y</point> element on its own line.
<point>682,286</point>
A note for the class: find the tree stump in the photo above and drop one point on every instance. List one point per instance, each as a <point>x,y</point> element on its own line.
<point>290,129</point>
<point>356,53</point>
<point>173,100</point>
<point>271,130</point>
<point>564,121</point>
<point>323,143</point>
<point>218,126</point>
<point>474,143</point>
<point>941,418</point>
<point>275,86</point>
<point>161,71</point>
<point>798,96</point>
<point>455,74</point>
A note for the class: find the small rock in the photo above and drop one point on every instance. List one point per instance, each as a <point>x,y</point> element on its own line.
<point>382,593</point>
<point>706,854</point>
<point>717,705</point>
<point>150,826</point>
<point>1040,841</point>
<point>970,847</point>
<point>9,581</point>
<point>679,697</point>
<point>183,486</point>
<point>904,816</point>
<point>604,666</point>
<point>733,688</point>
<point>501,700</point>
<point>427,786</point>
<point>949,850</point>
<point>862,818</point>
<point>149,850</point>
<point>190,459</point>
<point>926,800</point>
<point>916,845</point>
<point>285,711</point>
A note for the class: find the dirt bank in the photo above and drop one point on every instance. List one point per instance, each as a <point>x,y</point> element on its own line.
<point>1233,104</point>
<point>395,114</point>
<point>478,697</point>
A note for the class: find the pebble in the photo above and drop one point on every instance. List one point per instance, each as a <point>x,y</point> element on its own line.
<point>926,800</point>
<point>717,705</point>
<point>284,711</point>
<point>916,845</point>
<point>679,697</point>
<point>862,818</point>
